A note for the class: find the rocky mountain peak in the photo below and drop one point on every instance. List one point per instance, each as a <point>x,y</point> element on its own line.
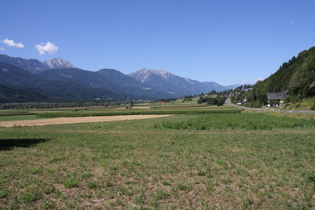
<point>35,66</point>
<point>163,73</point>
<point>58,63</point>
<point>142,74</point>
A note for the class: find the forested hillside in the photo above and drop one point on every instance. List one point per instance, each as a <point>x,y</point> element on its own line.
<point>9,95</point>
<point>295,77</point>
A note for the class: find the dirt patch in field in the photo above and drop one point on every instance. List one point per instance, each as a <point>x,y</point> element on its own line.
<point>70,120</point>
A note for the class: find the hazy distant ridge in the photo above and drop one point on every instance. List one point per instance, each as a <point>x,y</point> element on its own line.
<point>166,81</point>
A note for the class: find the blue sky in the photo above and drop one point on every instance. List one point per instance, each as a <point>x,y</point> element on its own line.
<point>225,41</point>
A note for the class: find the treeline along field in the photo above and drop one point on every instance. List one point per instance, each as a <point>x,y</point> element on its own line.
<point>237,161</point>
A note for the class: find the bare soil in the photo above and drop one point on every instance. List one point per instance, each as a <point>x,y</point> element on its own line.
<point>70,120</point>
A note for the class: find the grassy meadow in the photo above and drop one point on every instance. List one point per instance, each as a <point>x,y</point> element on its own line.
<point>184,161</point>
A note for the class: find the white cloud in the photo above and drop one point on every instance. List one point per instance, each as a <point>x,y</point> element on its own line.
<point>48,47</point>
<point>11,43</point>
<point>1,49</point>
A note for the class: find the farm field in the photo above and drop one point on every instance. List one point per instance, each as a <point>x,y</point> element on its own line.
<point>71,120</point>
<point>183,161</point>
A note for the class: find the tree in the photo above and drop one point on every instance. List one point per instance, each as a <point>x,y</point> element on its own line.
<point>212,101</point>
<point>187,98</point>
<point>201,100</point>
<point>221,101</point>
<point>213,92</point>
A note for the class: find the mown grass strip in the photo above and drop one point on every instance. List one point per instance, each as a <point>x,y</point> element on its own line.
<point>18,117</point>
<point>157,112</point>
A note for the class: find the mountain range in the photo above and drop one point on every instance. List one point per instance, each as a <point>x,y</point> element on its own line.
<point>35,66</point>
<point>58,79</point>
<point>173,84</point>
<point>17,79</point>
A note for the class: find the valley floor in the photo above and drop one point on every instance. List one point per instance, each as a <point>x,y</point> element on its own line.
<point>186,161</point>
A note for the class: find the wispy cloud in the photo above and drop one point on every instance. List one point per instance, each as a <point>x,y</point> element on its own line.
<point>46,48</point>
<point>1,49</point>
<point>11,43</point>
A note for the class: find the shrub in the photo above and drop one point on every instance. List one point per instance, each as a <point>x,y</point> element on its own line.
<point>71,183</point>
<point>161,194</point>
<point>92,185</point>
<point>183,187</point>
<point>28,197</point>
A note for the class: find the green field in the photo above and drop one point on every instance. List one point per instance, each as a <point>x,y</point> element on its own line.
<point>18,117</point>
<point>184,161</point>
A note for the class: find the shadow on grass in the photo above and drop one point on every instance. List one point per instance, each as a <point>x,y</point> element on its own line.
<point>8,144</point>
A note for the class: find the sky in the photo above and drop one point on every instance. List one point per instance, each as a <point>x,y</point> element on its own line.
<point>225,41</point>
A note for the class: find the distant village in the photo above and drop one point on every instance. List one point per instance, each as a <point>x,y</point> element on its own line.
<point>273,99</point>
